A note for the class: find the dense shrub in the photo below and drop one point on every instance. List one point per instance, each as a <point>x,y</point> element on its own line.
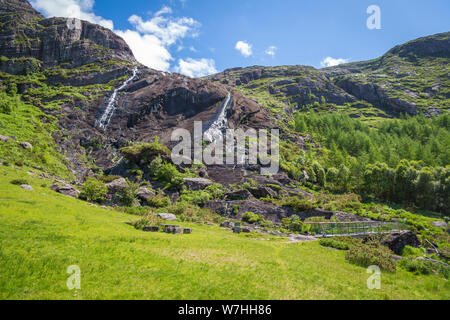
<point>144,151</point>
<point>160,200</point>
<point>128,195</point>
<point>19,182</point>
<point>424,267</point>
<point>299,205</point>
<point>416,266</point>
<point>93,190</point>
<point>294,224</point>
<point>216,191</point>
<point>188,212</point>
<point>251,217</point>
<point>366,255</point>
<point>409,251</point>
<point>166,173</point>
<point>331,243</point>
<point>198,198</point>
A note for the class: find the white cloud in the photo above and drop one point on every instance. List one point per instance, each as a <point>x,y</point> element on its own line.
<point>196,68</point>
<point>147,49</point>
<point>331,62</point>
<point>271,51</point>
<point>169,30</point>
<point>81,9</point>
<point>244,48</point>
<point>150,40</point>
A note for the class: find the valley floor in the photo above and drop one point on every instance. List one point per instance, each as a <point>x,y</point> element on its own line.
<point>42,233</point>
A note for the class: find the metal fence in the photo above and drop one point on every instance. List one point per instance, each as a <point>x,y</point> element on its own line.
<point>355,228</point>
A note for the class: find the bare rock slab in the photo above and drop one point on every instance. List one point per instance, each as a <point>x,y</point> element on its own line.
<point>167,216</point>
<point>27,187</point>
<point>196,184</point>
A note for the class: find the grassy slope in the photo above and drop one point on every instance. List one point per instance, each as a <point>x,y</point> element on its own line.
<point>42,233</point>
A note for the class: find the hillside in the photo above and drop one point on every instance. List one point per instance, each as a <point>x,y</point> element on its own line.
<point>411,78</point>
<point>119,262</point>
<point>87,175</point>
<point>67,70</point>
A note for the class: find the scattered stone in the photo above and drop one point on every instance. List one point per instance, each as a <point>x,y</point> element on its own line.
<point>238,195</point>
<point>167,216</point>
<point>151,229</point>
<point>27,187</point>
<point>26,145</point>
<point>196,184</point>
<point>440,224</point>
<point>227,224</point>
<point>3,138</point>
<point>237,230</point>
<point>116,185</point>
<point>246,229</point>
<point>397,241</point>
<point>187,230</point>
<point>144,194</point>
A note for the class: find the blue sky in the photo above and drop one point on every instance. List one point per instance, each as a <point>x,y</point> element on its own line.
<point>197,37</point>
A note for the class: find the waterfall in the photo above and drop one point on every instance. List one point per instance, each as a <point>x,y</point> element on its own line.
<point>112,103</point>
<point>215,130</point>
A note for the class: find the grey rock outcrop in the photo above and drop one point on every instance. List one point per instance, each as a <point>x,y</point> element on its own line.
<point>116,185</point>
<point>144,194</point>
<point>167,216</point>
<point>66,189</point>
<point>398,241</point>
<point>196,184</point>
<point>27,187</point>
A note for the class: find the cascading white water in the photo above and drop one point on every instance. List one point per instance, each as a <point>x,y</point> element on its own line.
<point>214,131</point>
<point>109,111</point>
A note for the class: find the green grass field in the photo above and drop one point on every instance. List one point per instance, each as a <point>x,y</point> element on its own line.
<point>42,233</point>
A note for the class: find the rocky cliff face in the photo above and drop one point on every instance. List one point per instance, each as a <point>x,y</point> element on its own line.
<point>26,33</point>
<point>70,68</point>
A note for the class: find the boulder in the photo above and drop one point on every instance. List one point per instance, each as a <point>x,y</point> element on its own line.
<point>151,229</point>
<point>167,216</point>
<point>66,189</point>
<point>172,229</point>
<point>263,192</point>
<point>398,241</point>
<point>203,172</point>
<point>26,145</point>
<point>187,231</point>
<point>238,195</point>
<point>27,187</point>
<point>144,194</point>
<point>246,229</point>
<point>227,224</point>
<point>116,185</point>
<point>196,184</point>
<point>440,224</point>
